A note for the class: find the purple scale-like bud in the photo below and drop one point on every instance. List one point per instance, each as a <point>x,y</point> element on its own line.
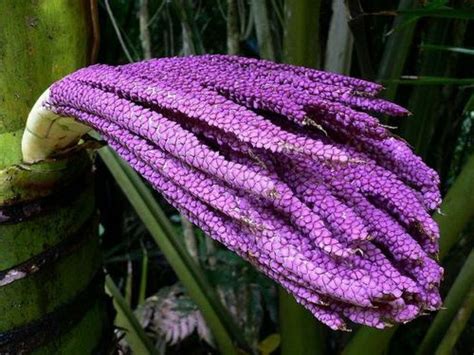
<point>259,91</point>
<point>211,108</point>
<point>362,86</point>
<point>395,155</point>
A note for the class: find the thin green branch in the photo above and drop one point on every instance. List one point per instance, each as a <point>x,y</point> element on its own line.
<point>457,326</point>
<point>138,341</point>
<point>117,31</point>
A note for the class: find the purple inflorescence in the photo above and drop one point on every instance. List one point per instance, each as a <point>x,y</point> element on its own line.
<point>286,166</point>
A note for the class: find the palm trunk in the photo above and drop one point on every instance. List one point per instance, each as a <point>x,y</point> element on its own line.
<point>51,282</point>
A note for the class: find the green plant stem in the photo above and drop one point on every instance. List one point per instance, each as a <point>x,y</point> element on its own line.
<point>458,206</point>
<point>262,27</point>
<point>456,210</point>
<point>233,35</point>
<point>143,277</point>
<point>300,333</point>
<point>192,41</point>
<point>457,326</point>
<point>302,33</point>
<point>144,20</point>
<point>139,342</point>
<point>227,334</point>
<point>459,290</point>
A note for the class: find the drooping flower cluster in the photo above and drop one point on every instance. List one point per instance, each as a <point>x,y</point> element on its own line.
<point>286,166</point>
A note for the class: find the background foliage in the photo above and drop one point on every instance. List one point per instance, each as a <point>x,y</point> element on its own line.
<point>189,294</point>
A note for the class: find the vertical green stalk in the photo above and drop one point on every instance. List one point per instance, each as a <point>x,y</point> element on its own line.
<point>192,41</point>
<point>456,210</point>
<point>302,31</point>
<point>144,19</point>
<point>262,27</point>
<point>300,332</point>
<point>457,213</point>
<point>136,337</point>
<point>51,281</point>
<point>457,325</point>
<point>233,34</point>
<point>454,300</point>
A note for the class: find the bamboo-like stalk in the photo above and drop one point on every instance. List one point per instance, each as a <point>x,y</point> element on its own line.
<point>192,41</point>
<point>262,27</point>
<point>233,34</point>
<point>457,212</point>
<point>457,325</point>
<point>51,288</point>
<point>302,31</point>
<point>457,294</point>
<point>144,20</point>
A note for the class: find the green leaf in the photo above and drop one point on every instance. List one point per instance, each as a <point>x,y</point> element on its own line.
<point>430,80</point>
<point>197,285</point>
<point>396,50</point>
<point>461,14</point>
<point>436,47</point>
<point>139,342</point>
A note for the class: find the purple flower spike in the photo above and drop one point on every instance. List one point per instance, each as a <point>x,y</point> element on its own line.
<point>285,166</point>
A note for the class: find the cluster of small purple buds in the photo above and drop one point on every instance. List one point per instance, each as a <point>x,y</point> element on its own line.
<point>286,166</point>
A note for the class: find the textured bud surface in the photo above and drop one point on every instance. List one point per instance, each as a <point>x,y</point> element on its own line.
<point>286,166</point>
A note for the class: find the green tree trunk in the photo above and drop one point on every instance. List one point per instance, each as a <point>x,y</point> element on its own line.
<point>51,283</point>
